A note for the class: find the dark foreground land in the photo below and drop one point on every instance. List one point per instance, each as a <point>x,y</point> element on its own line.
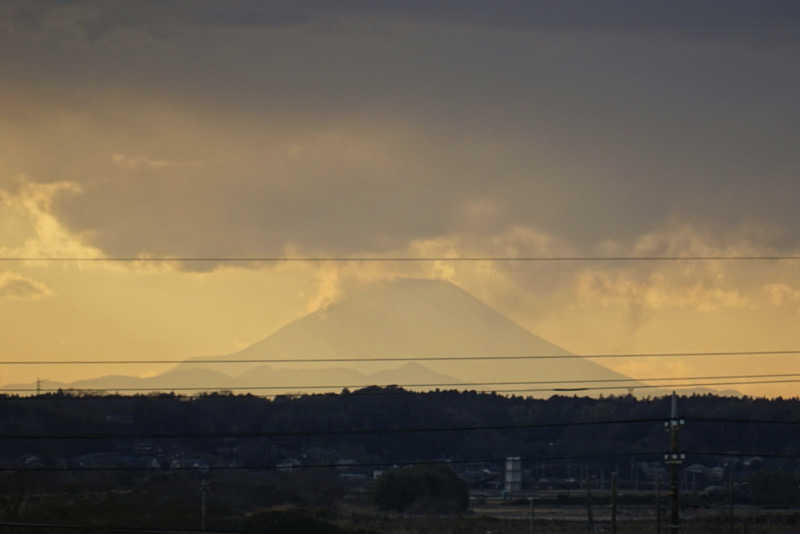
<point>135,512</point>
<point>392,461</point>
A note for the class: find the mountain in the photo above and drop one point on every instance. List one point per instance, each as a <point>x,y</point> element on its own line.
<point>173,379</point>
<point>420,317</point>
<point>259,380</point>
<point>400,318</point>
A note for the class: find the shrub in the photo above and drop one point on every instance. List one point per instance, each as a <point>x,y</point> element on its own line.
<point>430,489</point>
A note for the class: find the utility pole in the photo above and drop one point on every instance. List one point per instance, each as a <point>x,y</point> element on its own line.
<point>674,459</point>
<point>530,515</point>
<point>38,386</point>
<point>658,504</point>
<point>203,493</point>
<point>730,497</point>
<point>613,502</point>
<point>589,516</point>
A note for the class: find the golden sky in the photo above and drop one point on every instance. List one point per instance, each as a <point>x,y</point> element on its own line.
<point>397,131</point>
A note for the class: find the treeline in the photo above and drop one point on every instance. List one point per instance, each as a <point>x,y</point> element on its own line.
<point>335,427</point>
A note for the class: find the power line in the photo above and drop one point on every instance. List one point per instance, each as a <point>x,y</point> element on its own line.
<point>377,431</point>
<point>109,528</point>
<point>432,357</point>
<point>362,259</point>
<point>747,454</point>
<point>310,433</point>
<point>649,386</point>
<point>632,383</point>
<point>742,420</point>
<point>283,467</point>
<point>400,391</point>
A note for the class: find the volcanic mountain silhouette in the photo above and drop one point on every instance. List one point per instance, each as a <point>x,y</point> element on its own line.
<point>401,318</point>
<point>428,319</point>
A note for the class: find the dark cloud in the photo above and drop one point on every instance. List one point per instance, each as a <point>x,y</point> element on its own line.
<point>100,16</point>
<point>366,135</point>
<point>609,14</point>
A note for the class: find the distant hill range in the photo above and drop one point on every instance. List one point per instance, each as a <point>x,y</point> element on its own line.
<point>393,319</point>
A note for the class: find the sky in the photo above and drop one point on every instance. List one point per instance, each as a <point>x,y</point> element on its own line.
<point>389,128</point>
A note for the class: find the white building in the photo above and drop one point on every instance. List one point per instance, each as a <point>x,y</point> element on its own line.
<point>513,474</point>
